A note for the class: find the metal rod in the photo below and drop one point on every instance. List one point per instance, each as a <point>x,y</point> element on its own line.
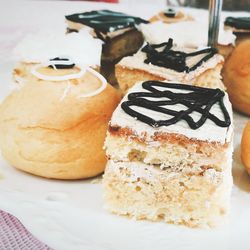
<point>215,7</point>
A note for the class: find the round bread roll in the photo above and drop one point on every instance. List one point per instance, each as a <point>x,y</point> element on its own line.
<point>236,75</point>
<point>245,147</point>
<point>54,126</point>
<point>171,16</point>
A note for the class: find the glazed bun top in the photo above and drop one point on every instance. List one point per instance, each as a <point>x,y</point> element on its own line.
<point>58,95</point>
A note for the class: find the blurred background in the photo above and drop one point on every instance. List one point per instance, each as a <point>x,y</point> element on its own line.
<point>231,5</point>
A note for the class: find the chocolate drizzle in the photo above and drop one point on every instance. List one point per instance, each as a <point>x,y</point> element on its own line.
<point>238,22</point>
<point>169,13</point>
<point>105,21</point>
<point>195,99</point>
<point>61,63</point>
<point>162,55</point>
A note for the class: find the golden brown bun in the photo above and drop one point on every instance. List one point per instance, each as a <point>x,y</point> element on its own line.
<point>179,17</point>
<point>245,147</point>
<point>47,129</point>
<point>225,50</point>
<point>21,72</point>
<point>236,75</point>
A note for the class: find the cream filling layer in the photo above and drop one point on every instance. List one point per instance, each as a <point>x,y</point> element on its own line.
<point>153,174</point>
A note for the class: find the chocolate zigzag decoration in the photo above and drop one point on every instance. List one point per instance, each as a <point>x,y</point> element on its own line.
<point>172,59</point>
<point>197,99</point>
<point>238,22</point>
<point>105,20</point>
<point>61,63</point>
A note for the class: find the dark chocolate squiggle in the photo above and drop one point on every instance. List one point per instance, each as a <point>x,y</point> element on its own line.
<point>61,63</point>
<point>197,99</point>
<point>238,22</point>
<point>105,21</point>
<point>169,13</point>
<point>172,59</point>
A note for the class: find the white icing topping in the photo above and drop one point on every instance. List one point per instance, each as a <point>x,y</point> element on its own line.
<point>70,76</point>
<point>185,34</point>
<point>100,89</point>
<point>208,132</point>
<point>66,91</point>
<point>39,47</point>
<point>56,78</point>
<point>137,62</point>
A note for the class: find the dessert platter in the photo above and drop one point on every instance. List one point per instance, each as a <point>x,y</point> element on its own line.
<point>121,129</point>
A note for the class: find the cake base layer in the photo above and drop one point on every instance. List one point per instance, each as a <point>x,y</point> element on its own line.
<point>127,77</point>
<point>146,192</point>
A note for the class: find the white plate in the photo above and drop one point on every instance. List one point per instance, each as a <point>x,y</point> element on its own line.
<point>69,214</point>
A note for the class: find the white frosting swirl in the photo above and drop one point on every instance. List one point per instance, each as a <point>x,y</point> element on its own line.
<point>100,89</point>
<point>69,77</point>
<point>57,78</point>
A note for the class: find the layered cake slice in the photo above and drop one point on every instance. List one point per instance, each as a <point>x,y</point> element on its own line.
<point>164,61</point>
<point>170,154</point>
<point>117,30</point>
<point>240,26</point>
<point>188,34</point>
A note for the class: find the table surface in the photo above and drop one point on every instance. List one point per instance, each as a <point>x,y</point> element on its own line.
<point>70,214</point>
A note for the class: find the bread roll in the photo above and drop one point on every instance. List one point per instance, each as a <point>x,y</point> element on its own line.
<point>171,16</point>
<point>56,128</point>
<point>245,147</point>
<point>236,75</point>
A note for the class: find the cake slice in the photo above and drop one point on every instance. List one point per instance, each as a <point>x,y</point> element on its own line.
<point>170,154</point>
<point>191,34</point>
<point>117,30</point>
<point>201,67</point>
<point>240,26</point>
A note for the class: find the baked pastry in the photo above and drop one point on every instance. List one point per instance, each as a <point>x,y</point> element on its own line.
<point>171,16</point>
<point>117,30</point>
<point>37,48</point>
<point>164,161</point>
<point>54,126</point>
<point>236,76</point>
<point>245,147</point>
<point>167,62</point>
<point>195,35</point>
<point>240,27</point>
